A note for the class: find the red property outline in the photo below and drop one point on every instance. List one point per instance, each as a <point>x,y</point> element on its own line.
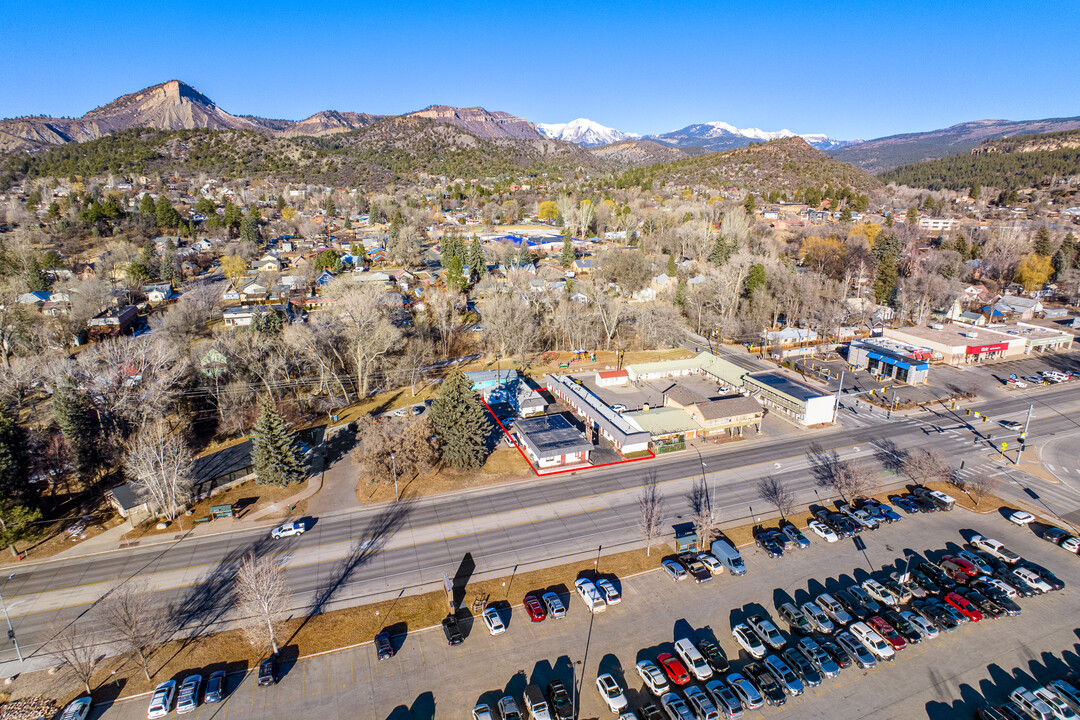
<point>536,472</point>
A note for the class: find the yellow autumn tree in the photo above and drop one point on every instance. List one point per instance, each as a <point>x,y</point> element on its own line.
<point>825,255</point>
<point>1034,271</point>
<point>867,230</point>
<point>287,213</point>
<point>234,268</point>
<point>548,210</point>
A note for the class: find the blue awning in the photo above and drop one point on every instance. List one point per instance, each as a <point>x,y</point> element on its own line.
<point>874,356</point>
<point>909,366</point>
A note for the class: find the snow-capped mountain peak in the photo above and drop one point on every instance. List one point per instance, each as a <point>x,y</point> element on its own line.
<point>583,132</point>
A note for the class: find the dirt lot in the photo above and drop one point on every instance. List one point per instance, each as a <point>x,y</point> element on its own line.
<point>502,465</point>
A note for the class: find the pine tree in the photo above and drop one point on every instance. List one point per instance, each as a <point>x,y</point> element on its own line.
<point>331,208</point>
<point>71,409</point>
<point>567,257</point>
<point>721,251</point>
<point>885,282</point>
<point>748,204</point>
<point>14,459</point>
<point>249,228</point>
<point>525,256</point>
<point>754,279</point>
<point>460,422</point>
<point>477,261</point>
<point>274,452</point>
<point>1043,245</point>
<point>147,208</point>
<point>680,295</point>
<point>167,217</point>
<point>672,268</point>
<point>455,273</point>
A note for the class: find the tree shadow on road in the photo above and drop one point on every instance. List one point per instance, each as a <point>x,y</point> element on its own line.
<point>374,537</point>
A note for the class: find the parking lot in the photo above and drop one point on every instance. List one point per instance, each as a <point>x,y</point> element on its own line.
<point>941,678</point>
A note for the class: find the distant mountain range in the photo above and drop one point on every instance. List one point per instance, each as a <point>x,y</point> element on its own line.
<point>175,105</point>
<point>885,153</point>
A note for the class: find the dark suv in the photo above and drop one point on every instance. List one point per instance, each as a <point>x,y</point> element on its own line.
<point>560,700</point>
<point>268,671</point>
<point>452,630</point>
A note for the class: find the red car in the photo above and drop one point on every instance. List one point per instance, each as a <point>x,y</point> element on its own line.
<point>887,631</point>
<point>674,669</point>
<point>535,609</point>
<point>969,569</point>
<point>964,606</point>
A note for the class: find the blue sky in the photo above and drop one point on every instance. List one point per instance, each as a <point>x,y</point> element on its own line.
<point>858,69</point>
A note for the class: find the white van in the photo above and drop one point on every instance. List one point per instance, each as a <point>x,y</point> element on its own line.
<point>873,642</point>
<point>590,595</point>
<point>536,704</point>
<point>729,556</point>
<point>693,659</point>
<point>943,501</point>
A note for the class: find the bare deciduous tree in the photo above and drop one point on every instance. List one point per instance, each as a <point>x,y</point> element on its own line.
<point>370,333</point>
<point>979,487</point>
<point>76,645</point>
<point>773,490</point>
<point>141,625</point>
<point>701,514</point>
<point>262,598</point>
<point>650,504</point>
<point>925,466</point>
<point>159,463</point>
<point>847,478</point>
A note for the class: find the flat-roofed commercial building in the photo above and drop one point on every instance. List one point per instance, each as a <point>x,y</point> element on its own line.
<point>797,401</point>
<point>886,358</point>
<point>956,344</point>
<point>552,441</point>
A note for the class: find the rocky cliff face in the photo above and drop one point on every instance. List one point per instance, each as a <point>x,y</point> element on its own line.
<point>482,123</point>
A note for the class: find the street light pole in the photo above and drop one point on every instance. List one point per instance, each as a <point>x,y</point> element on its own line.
<point>11,630</point>
<point>1023,436</point>
<point>393,459</point>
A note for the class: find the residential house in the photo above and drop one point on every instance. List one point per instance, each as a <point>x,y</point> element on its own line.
<point>253,291</point>
<point>267,263</point>
<point>114,320</point>
<point>36,297</point>
<point>324,278</point>
<point>157,293</point>
<point>244,315</point>
<point>1020,307</point>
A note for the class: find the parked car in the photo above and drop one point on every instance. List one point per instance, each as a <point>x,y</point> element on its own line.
<point>748,640</point>
<point>863,598</point>
<point>880,593</point>
<point>839,655</point>
<point>652,677</point>
<point>384,649</point>
<point>1032,705</point>
<point>794,617</point>
<point>795,535</point>
<point>725,699</point>
<point>995,548</point>
<point>768,543</point>
<point>608,592</point>
<point>676,707</point>
<point>817,618</point>
<point>215,688</point>
<point>802,667</point>
<point>854,608</point>
<point>534,608</point>
<point>188,697</point>
<point>554,605</point>
<point>162,699</point>
<point>77,709</point>
<point>692,658</point>
<point>536,705</point>
<point>926,628</point>
<point>713,655</point>
<point>872,641</point>
<point>701,704</point>
<point>985,605</point>
<point>289,529</point>
<point>748,694</point>
<point>589,595</point>
<point>909,632</point>
<point>744,690</point>
<point>493,621</point>
<point>818,657</point>
<point>770,689</point>
<point>561,702</point>
<point>1072,544</point>
<point>452,630</point>
<point>268,668</point>
<point>887,631</point>
<point>1058,705</point>
<point>508,708</point>
<point>862,657</point>
<point>674,668</point>
<point>765,630</point>
<point>904,504</point>
<point>975,559</point>
<point>784,675</point>
<point>709,560</point>
<point>695,568</point>
<point>833,608</point>
<point>674,570</point>
<point>611,693</point>
<point>823,531</point>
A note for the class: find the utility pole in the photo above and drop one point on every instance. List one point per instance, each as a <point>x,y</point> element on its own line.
<point>839,391</point>
<point>1023,435</point>
<point>11,630</point>
<point>393,459</point>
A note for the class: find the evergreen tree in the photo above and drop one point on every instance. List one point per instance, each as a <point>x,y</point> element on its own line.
<point>14,459</point>
<point>455,273</point>
<point>525,256</point>
<point>270,322</point>
<point>280,203</point>
<point>37,280</point>
<point>461,423</point>
<point>168,273</point>
<point>232,215</point>
<point>249,228</point>
<point>912,216</point>
<point>845,215</point>
<point>166,214</point>
<point>1062,260</point>
<point>680,295</point>
<point>71,409</point>
<point>885,282</point>
<point>975,191</point>
<point>1043,245</point>
<point>721,251</point>
<point>330,209</point>
<point>672,268</point>
<point>754,279</point>
<point>748,204</point>
<point>274,452</point>
<point>566,259</point>
<point>888,220</point>
<point>147,208</point>
<point>477,261</point>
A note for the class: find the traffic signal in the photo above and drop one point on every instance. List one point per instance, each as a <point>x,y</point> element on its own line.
<point>967,411</point>
<point>985,418</point>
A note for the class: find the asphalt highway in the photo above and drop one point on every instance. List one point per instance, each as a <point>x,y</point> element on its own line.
<point>382,550</point>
